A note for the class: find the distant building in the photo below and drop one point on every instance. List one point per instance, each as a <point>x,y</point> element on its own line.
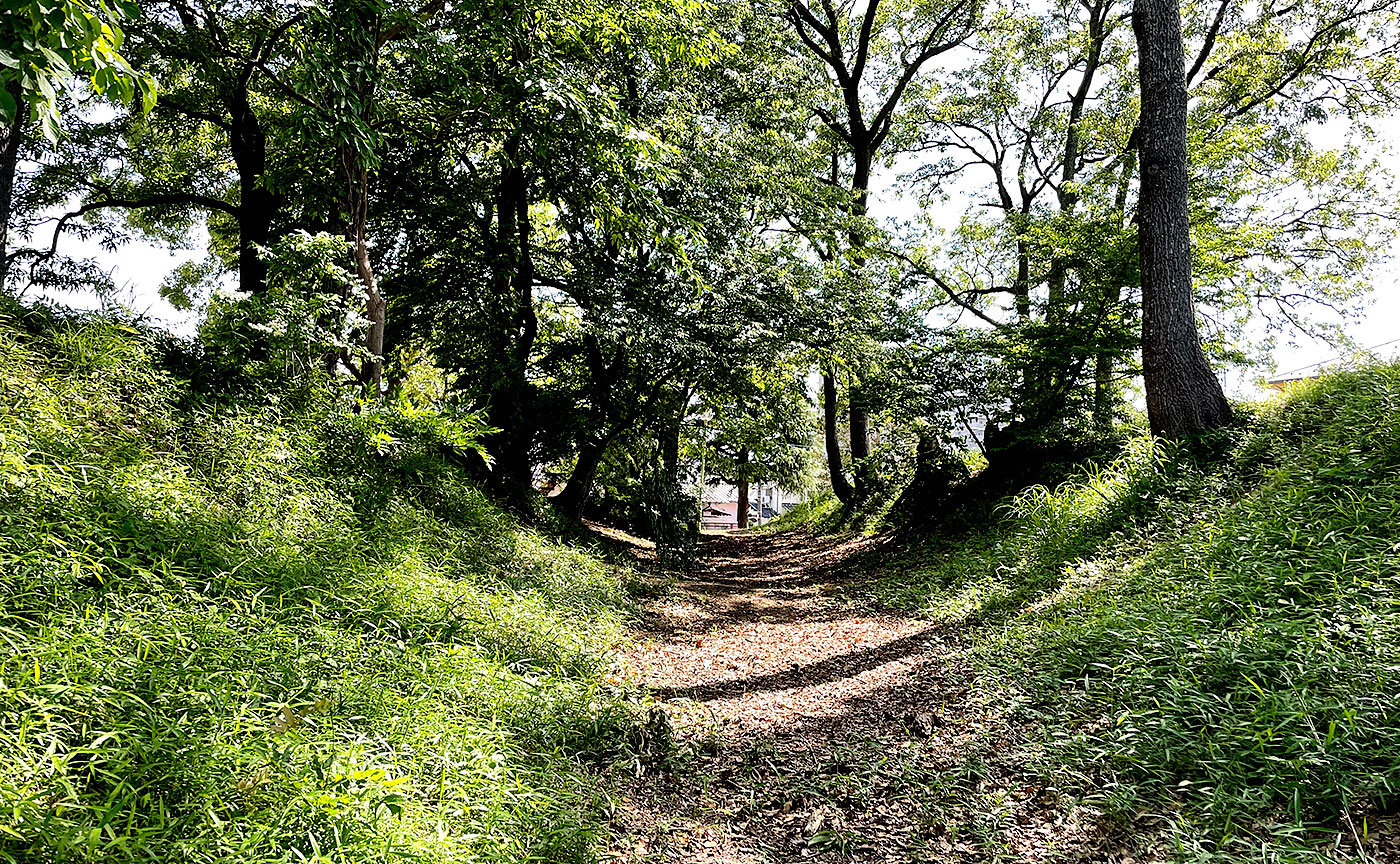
<point>720,505</point>
<point>1282,384</point>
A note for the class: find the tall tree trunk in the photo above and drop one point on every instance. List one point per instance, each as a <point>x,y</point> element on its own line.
<point>257,207</point>
<point>1183,394</point>
<point>839,484</point>
<point>357,203</point>
<point>375,311</point>
<point>513,278</point>
<point>859,417</point>
<point>363,40</point>
<point>861,468</point>
<point>11,135</point>
<point>741,507</point>
<point>511,468</point>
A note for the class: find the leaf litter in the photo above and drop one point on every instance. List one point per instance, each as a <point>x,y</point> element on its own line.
<point>810,726</point>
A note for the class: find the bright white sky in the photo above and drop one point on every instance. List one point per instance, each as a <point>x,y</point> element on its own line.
<point>138,270</point>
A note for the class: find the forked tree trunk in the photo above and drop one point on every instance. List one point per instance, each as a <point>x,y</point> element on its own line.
<point>574,497</point>
<point>1183,394</point>
<point>257,207</point>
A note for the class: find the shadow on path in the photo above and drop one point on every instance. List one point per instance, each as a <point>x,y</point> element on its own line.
<point>821,730</point>
<point>821,672</point>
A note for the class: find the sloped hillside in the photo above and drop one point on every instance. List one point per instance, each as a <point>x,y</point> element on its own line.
<point>1206,636</point>
<point>276,629</point>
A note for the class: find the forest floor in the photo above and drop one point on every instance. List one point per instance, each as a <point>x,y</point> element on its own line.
<point>808,725</point>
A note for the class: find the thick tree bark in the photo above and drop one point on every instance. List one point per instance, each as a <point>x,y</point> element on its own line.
<point>513,280</point>
<point>576,492</point>
<point>861,470</point>
<point>257,207</point>
<point>1183,394</point>
<point>859,418</point>
<point>10,136</point>
<point>741,507</point>
<point>839,484</point>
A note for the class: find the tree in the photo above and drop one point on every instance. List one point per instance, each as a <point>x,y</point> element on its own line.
<point>1183,394</point>
<point>537,147</point>
<point>47,46</point>
<point>760,431</point>
<point>342,59</point>
<point>869,58</point>
<point>618,200</point>
<point>1049,257</point>
<point>209,153</point>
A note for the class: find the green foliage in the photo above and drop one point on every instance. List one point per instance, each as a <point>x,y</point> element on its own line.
<point>761,429</point>
<point>252,634</point>
<point>46,44</point>
<point>309,317</point>
<point>1210,629</point>
<point>819,515</point>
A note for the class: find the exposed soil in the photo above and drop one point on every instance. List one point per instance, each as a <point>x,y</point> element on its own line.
<point>794,723</point>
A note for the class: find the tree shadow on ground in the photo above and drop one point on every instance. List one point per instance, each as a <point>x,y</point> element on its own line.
<point>846,665</point>
<point>872,752</point>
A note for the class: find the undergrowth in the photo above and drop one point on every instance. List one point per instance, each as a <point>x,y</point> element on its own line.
<point>819,515</point>
<point>1209,632</point>
<point>255,633</point>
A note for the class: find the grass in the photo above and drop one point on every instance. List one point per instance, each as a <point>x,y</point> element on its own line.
<point>278,629</point>
<point>1209,632</point>
<point>258,632</point>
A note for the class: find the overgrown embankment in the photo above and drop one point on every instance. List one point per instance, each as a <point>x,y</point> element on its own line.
<point>1209,634</point>
<point>255,631</point>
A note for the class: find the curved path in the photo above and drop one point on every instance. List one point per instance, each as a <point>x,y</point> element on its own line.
<point>808,726</point>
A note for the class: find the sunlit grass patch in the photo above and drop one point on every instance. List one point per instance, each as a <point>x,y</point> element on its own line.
<point>235,634</point>
<point>1213,638</point>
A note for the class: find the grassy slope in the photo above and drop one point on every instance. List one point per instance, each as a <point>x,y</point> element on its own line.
<point>263,635</point>
<point>1214,638</point>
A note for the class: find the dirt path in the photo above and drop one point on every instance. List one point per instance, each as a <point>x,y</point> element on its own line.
<point>809,727</point>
